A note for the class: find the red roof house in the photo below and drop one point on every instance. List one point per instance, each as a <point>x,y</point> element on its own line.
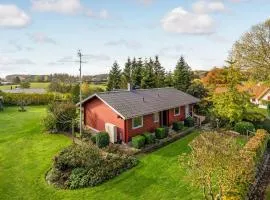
<point>135,111</point>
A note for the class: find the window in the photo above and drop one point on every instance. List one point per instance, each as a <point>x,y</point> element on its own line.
<point>177,111</point>
<point>137,122</point>
<point>156,117</point>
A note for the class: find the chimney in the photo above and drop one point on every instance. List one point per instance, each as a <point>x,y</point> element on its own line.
<point>129,86</point>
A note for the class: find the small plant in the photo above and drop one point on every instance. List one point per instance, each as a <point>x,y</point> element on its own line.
<point>189,122</point>
<point>160,133</point>
<point>149,138</point>
<point>138,141</point>
<point>244,127</point>
<point>166,130</point>
<point>93,139</point>
<point>102,139</point>
<point>177,126</point>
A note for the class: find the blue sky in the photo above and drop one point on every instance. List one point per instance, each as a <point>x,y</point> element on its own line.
<point>43,36</point>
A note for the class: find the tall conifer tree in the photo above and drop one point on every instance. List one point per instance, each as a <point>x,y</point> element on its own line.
<point>182,75</point>
<point>114,79</point>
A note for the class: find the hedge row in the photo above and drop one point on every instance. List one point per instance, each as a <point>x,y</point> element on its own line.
<point>244,128</point>
<point>32,99</point>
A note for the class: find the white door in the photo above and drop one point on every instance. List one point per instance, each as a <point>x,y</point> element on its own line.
<point>187,111</point>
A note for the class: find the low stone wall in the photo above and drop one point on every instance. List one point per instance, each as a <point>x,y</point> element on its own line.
<point>170,139</point>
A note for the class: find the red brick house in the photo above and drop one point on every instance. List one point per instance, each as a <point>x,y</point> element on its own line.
<point>136,111</point>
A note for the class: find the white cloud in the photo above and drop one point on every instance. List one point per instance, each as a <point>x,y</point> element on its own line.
<point>103,14</point>
<point>182,21</point>
<point>128,44</point>
<point>41,38</point>
<point>58,6</point>
<point>202,7</point>
<point>13,17</point>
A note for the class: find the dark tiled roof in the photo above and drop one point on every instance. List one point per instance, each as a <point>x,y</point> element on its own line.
<point>140,102</point>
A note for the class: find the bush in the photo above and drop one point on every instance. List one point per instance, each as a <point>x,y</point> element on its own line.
<point>166,130</point>
<point>177,126</point>
<point>60,116</point>
<point>149,138</point>
<point>94,139</point>
<point>244,127</point>
<point>189,122</point>
<point>138,141</point>
<point>160,133</point>
<point>102,139</point>
<point>79,166</point>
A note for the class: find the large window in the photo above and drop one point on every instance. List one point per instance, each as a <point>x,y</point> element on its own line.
<point>156,117</point>
<point>176,111</point>
<point>137,122</point>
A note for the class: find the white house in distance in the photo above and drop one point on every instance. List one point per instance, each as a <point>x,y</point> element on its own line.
<point>260,95</point>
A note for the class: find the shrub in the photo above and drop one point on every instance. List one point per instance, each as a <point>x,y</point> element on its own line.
<point>160,133</point>
<point>94,139</point>
<point>244,127</point>
<point>138,141</point>
<point>149,138</point>
<point>189,122</point>
<point>177,126</point>
<point>166,130</point>
<point>60,116</point>
<point>79,166</point>
<point>102,139</point>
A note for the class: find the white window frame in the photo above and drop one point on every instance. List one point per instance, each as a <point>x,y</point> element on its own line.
<point>177,114</point>
<point>133,127</point>
<point>156,117</point>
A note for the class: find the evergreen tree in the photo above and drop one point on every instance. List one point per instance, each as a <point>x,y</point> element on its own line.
<point>159,73</point>
<point>148,80</point>
<point>182,75</point>
<point>126,75</point>
<point>168,79</point>
<point>137,68</point>
<point>114,80</point>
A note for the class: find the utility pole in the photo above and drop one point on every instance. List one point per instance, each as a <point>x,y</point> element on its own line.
<point>80,81</point>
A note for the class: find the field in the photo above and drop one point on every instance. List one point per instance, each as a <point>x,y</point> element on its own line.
<point>46,85</point>
<point>26,154</point>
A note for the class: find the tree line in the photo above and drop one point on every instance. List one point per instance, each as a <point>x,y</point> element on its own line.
<point>151,74</point>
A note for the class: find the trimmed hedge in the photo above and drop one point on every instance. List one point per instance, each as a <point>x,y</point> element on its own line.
<point>244,127</point>
<point>138,141</point>
<point>32,99</point>
<point>189,122</point>
<point>161,133</point>
<point>149,138</point>
<point>102,139</point>
<point>177,126</point>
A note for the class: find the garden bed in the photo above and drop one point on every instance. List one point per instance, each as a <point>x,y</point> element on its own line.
<point>173,136</point>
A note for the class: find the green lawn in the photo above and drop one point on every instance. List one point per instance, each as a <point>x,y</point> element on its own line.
<point>33,85</point>
<point>26,154</point>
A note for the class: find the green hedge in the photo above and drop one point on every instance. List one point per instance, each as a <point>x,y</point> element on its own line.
<point>102,139</point>
<point>177,126</point>
<point>244,127</point>
<point>138,141</point>
<point>149,138</point>
<point>161,133</point>
<point>94,139</point>
<point>32,99</point>
<point>189,122</point>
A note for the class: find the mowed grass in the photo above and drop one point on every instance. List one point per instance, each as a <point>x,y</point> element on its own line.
<point>26,154</point>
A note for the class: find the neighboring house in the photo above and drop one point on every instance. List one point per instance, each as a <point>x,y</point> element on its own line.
<point>259,94</point>
<point>135,111</point>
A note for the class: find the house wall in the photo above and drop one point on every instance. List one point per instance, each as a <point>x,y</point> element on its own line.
<point>148,125</point>
<point>180,117</point>
<point>97,113</point>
